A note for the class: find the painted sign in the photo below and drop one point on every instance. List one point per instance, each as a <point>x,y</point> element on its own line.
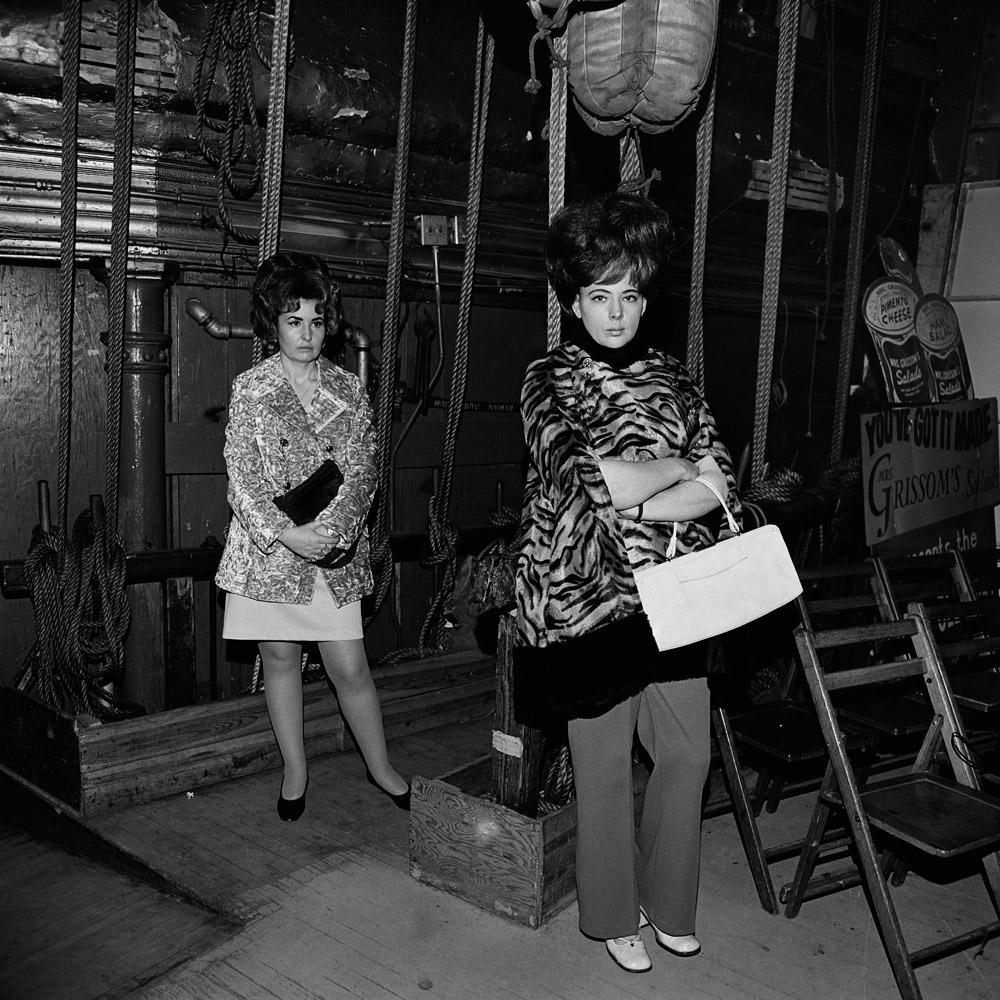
<point>889,308</point>
<point>936,326</point>
<point>925,464</point>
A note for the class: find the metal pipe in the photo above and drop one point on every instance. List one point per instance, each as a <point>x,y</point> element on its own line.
<point>212,326</point>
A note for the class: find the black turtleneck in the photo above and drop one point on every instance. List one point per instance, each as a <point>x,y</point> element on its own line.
<point>618,358</point>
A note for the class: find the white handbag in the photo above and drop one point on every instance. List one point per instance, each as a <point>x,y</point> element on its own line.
<point>714,590</point>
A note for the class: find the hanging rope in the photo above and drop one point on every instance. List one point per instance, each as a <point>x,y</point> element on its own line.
<point>629,160</point>
<point>443,533</point>
<point>274,149</point>
<point>545,24</point>
<point>385,397</point>
<point>67,247</point>
<point>859,215</point>
<point>78,589</point>
<point>121,201</point>
<point>696,308</point>
<point>777,193</point>
<point>557,164</point>
<point>234,37</point>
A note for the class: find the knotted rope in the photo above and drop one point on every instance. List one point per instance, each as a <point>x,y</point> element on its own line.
<point>777,194</point>
<point>545,24</point>
<point>859,214</point>
<point>234,35</point>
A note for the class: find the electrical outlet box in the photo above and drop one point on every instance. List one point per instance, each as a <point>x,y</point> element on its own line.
<point>433,230</point>
<point>457,233</point>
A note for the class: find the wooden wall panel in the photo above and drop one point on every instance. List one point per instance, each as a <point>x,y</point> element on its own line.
<point>29,415</point>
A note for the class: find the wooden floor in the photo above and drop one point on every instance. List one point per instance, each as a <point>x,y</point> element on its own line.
<point>325,908</point>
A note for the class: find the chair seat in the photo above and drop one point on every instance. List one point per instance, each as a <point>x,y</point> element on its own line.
<point>979,690</point>
<point>788,732</point>
<point>934,814</point>
<point>895,716</point>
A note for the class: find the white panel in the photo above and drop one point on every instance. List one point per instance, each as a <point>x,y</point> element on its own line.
<point>975,258</point>
<point>980,325</point>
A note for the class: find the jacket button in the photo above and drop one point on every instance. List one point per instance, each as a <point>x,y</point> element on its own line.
<point>284,442</point>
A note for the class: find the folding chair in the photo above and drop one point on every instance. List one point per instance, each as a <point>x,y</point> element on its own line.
<point>783,736</point>
<point>942,817</point>
<point>967,640</point>
<point>900,717</point>
<point>982,569</point>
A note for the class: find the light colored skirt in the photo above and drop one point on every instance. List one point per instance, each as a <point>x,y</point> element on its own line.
<point>319,621</point>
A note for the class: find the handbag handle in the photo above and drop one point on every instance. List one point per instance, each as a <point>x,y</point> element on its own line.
<point>733,526</point>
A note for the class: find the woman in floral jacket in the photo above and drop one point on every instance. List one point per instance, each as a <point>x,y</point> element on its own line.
<point>287,415</point>
<point>617,434</point>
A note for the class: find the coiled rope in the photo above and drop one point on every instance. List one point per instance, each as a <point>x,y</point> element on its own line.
<point>859,216</point>
<point>777,194</point>
<point>81,617</point>
<point>385,396</point>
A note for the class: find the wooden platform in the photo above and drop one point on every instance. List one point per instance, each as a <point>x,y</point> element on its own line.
<point>329,911</point>
<point>88,768</point>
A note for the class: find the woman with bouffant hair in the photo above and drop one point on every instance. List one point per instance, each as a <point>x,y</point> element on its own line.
<point>288,582</point>
<point>618,436</point>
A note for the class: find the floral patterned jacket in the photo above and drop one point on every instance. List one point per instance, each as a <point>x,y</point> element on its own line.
<point>272,444</point>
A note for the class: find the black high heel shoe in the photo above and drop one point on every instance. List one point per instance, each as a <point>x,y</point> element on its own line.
<point>401,801</point>
<point>291,809</point>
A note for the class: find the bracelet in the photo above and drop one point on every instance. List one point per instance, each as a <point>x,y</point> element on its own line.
<point>638,515</point>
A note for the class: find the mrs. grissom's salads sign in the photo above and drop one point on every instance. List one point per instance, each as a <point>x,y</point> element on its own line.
<point>918,343</point>
<point>925,464</point>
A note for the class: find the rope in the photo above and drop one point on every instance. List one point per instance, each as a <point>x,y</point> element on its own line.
<point>67,245</point>
<point>696,309</point>
<point>233,34</point>
<point>545,24</point>
<point>557,165</point>
<point>778,190</point>
<point>443,533</point>
<point>629,159</point>
<point>121,195</point>
<point>270,225</point>
<point>82,617</point>
<point>859,213</point>
<point>385,397</point>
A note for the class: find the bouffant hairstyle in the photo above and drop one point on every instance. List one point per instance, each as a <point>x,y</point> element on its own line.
<point>282,282</point>
<point>608,238</point>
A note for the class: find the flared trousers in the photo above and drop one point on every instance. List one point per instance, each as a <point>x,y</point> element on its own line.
<point>615,870</point>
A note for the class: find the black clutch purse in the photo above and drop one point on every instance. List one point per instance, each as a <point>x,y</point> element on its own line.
<point>304,503</point>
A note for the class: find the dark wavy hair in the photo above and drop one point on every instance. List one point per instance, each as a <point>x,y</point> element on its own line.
<point>608,238</point>
<point>282,282</point>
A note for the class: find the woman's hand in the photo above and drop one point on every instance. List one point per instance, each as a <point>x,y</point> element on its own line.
<point>311,541</point>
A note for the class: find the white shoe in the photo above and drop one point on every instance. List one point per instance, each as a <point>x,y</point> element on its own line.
<point>630,953</point>
<point>685,946</point>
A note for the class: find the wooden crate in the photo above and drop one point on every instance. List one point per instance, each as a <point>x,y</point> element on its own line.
<point>501,861</point>
<point>86,767</point>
